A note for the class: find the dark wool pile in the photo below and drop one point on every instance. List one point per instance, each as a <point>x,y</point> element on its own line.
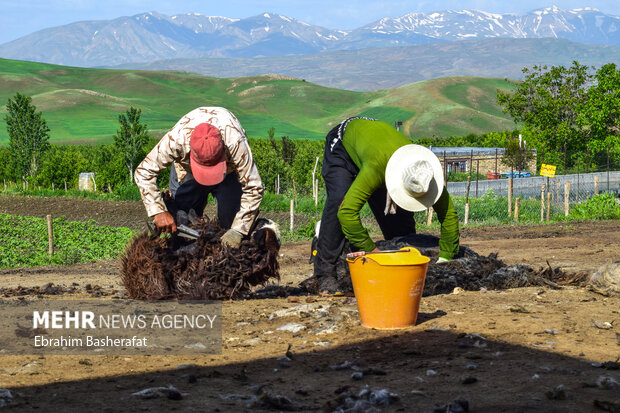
<point>157,268</point>
<point>470,271</point>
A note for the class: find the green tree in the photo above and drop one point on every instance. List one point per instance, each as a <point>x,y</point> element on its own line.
<point>498,139</point>
<point>271,132</point>
<point>62,163</point>
<point>516,155</point>
<point>6,172</point>
<point>301,169</point>
<point>108,164</point>
<point>268,159</point>
<point>601,114</point>
<point>28,135</point>
<point>289,150</point>
<point>548,103</point>
<point>131,138</point>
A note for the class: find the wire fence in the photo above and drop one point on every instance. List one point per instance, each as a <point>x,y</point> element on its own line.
<point>581,186</point>
<point>490,192</point>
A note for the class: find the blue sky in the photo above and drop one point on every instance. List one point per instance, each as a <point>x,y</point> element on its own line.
<point>19,18</point>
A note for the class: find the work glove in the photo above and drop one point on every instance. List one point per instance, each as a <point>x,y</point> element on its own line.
<point>232,238</point>
<point>441,260</point>
<point>390,205</point>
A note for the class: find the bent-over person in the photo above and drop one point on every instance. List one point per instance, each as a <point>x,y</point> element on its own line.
<point>209,153</point>
<point>366,160</point>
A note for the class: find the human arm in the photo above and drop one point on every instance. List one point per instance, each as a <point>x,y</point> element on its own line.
<point>251,184</point>
<point>449,220</point>
<point>364,185</point>
<point>167,150</point>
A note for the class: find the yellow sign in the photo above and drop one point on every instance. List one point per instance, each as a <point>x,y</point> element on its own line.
<point>547,170</point>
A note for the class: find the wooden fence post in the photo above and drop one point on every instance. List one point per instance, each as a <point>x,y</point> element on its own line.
<point>595,185</point>
<point>315,186</point>
<point>578,183</point>
<point>292,214</point>
<point>466,214</point>
<point>510,182</point>
<point>548,205</point>
<point>65,185</point>
<point>429,218</point>
<point>467,198</point>
<point>316,192</point>
<point>50,236</point>
<point>566,198</point>
<point>477,172</point>
<point>517,209</point>
<point>608,168</point>
<point>542,203</point>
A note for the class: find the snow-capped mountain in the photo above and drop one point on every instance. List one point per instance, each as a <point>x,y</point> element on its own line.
<point>152,36</point>
<point>585,25</point>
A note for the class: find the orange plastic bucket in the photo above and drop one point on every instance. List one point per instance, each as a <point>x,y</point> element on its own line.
<point>388,286</point>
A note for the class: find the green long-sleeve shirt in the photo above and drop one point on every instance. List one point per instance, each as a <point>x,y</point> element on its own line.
<point>370,144</point>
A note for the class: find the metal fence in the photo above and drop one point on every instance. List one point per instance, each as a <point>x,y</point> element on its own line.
<point>582,186</point>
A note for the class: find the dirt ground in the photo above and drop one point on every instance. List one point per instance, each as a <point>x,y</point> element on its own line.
<point>529,349</point>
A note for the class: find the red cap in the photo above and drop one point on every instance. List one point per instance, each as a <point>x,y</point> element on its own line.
<point>207,155</point>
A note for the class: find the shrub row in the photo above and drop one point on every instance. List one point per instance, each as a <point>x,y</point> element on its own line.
<point>291,161</point>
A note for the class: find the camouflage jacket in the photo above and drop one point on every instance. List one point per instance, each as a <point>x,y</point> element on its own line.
<point>174,149</point>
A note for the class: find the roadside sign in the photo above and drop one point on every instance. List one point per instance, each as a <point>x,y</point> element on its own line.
<point>547,170</point>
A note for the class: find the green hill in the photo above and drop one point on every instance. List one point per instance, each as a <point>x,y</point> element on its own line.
<point>81,105</point>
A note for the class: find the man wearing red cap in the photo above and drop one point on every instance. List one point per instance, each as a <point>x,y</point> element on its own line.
<point>209,154</point>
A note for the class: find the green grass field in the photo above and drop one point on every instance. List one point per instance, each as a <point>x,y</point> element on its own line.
<point>82,105</point>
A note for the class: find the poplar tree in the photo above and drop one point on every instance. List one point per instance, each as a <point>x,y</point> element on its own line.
<point>131,138</point>
<point>28,135</point>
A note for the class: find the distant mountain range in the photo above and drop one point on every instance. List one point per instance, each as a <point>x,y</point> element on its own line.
<point>151,36</point>
<point>382,68</point>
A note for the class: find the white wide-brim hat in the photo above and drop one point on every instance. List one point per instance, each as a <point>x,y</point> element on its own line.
<point>414,177</point>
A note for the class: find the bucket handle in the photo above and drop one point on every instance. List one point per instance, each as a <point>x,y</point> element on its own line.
<point>388,251</point>
<point>353,259</point>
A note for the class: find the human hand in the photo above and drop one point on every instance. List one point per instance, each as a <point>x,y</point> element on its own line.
<point>359,253</point>
<point>232,238</point>
<point>164,222</point>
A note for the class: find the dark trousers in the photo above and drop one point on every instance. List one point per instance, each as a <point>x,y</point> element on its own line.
<point>339,172</point>
<point>189,194</point>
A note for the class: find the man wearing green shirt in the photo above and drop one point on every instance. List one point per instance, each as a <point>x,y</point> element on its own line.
<point>366,160</point>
